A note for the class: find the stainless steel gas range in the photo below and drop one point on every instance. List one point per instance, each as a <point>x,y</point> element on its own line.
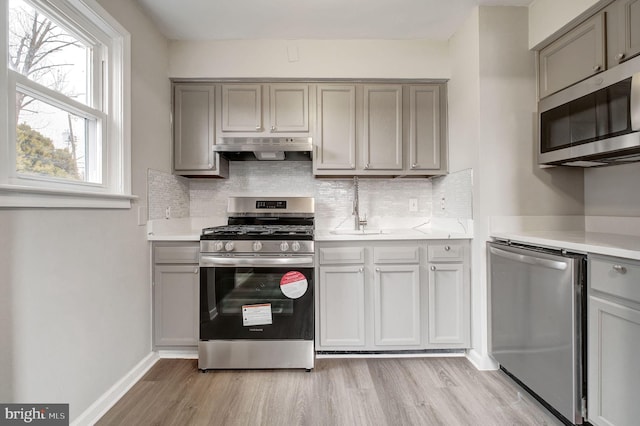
<point>257,284</point>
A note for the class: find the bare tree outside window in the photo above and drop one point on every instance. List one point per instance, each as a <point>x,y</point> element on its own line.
<point>50,140</point>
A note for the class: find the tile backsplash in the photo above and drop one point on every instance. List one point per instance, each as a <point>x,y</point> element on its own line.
<point>166,191</point>
<point>384,201</point>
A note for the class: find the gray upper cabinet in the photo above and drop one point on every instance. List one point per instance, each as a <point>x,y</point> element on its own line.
<point>424,128</point>
<point>578,54</point>
<point>249,110</point>
<point>335,140</point>
<point>194,130</point>
<point>242,108</point>
<point>382,127</point>
<point>623,31</point>
<point>289,108</point>
<point>380,130</point>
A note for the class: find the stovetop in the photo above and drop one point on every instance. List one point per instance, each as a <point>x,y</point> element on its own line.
<point>258,232</point>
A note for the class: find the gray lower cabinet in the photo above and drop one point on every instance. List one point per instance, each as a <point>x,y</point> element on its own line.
<point>578,54</point>
<point>378,296</point>
<point>175,295</point>
<point>449,295</point>
<point>342,306</point>
<point>194,132</point>
<point>613,341</point>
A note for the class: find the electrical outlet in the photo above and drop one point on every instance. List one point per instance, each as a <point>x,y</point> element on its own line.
<point>442,203</point>
<point>413,204</point>
<point>142,215</point>
<point>167,213</point>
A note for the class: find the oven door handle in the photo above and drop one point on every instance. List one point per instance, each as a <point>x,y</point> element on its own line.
<point>212,261</point>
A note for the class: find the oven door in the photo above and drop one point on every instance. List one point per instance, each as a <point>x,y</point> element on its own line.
<point>256,298</point>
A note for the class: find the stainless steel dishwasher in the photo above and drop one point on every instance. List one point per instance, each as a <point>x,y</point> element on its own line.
<point>538,323</point>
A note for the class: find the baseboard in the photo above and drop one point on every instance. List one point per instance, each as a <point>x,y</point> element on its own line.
<point>481,362</point>
<point>416,354</point>
<point>96,410</point>
<point>178,354</point>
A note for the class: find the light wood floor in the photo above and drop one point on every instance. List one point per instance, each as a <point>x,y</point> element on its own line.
<point>409,391</point>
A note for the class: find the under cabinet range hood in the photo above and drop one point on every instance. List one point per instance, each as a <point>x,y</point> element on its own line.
<point>274,149</point>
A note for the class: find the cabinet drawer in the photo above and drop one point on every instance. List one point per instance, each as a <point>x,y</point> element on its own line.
<point>618,277</point>
<point>336,255</point>
<point>176,254</point>
<point>445,253</point>
<point>396,255</point>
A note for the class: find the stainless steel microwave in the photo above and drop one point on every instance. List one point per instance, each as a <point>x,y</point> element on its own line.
<point>595,122</point>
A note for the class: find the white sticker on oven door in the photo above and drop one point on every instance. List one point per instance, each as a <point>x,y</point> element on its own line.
<point>293,284</point>
<point>256,314</point>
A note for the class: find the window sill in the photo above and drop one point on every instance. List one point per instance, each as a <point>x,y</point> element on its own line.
<point>15,196</point>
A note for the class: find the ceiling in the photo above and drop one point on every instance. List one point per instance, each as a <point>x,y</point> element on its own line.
<point>312,19</point>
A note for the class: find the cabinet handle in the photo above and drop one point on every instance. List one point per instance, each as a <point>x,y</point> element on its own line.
<point>620,56</point>
<point>414,165</point>
<point>447,248</point>
<point>596,68</point>
<point>620,269</point>
<point>273,129</point>
<point>196,270</point>
<point>366,166</point>
<point>258,128</point>
<point>433,268</point>
<point>353,166</point>
<point>361,270</point>
<point>210,165</point>
<point>377,269</point>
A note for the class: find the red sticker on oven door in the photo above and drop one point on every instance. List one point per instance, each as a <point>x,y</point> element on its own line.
<point>293,284</point>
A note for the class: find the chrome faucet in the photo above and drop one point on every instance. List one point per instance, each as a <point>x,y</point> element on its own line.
<point>356,208</point>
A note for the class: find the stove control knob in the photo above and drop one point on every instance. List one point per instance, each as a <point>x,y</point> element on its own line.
<point>284,246</point>
<point>295,246</point>
<point>228,246</point>
<point>257,246</point>
<point>218,246</point>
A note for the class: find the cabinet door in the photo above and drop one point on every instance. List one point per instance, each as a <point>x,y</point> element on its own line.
<point>175,304</point>
<point>424,127</point>
<point>630,28</point>
<point>289,108</point>
<point>613,373</point>
<point>193,127</point>
<point>242,108</point>
<point>575,56</point>
<point>448,305</point>
<point>336,141</point>
<point>342,306</point>
<point>382,132</point>
<point>397,305</point>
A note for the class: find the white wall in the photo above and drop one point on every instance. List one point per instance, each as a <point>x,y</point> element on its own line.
<point>497,103</point>
<point>75,285</point>
<point>612,191</point>
<point>315,59</point>
<point>548,17</point>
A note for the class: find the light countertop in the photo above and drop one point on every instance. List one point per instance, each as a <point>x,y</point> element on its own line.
<point>189,229</point>
<point>388,234</point>
<point>626,246</point>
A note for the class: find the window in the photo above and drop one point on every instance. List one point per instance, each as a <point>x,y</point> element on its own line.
<point>67,141</point>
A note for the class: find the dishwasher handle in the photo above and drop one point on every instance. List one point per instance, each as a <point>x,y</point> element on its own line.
<point>532,260</point>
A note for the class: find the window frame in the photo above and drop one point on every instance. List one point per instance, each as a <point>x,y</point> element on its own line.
<point>110,107</point>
